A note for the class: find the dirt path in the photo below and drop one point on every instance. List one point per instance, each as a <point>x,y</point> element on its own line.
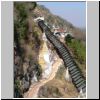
<point>33,91</point>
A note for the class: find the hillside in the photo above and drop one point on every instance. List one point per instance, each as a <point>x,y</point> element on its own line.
<point>77,49</point>
<point>58,21</point>
<point>29,51</point>
<point>27,41</point>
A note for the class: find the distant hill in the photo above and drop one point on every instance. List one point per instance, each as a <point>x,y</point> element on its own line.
<point>83,29</point>
<point>52,19</point>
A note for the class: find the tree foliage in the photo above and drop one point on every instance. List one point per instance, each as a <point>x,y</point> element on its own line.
<point>22,10</point>
<point>78,48</point>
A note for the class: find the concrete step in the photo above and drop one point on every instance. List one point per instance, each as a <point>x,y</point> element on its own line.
<point>79,83</point>
<point>74,70</point>
<point>72,67</point>
<point>75,73</point>
<point>77,78</point>
<point>81,87</point>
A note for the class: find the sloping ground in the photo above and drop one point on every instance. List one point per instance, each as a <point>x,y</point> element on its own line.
<point>28,43</point>
<point>33,91</point>
<point>58,87</point>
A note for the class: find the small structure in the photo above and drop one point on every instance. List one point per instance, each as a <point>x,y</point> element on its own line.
<point>59,32</point>
<point>39,18</point>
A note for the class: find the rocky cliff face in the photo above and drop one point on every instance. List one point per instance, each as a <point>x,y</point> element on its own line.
<point>27,42</point>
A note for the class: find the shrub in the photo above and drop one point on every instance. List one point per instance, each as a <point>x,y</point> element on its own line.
<point>17,89</point>
<point>79,49</point>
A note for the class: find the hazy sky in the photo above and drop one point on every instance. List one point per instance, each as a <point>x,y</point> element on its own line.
<point>74,12</point>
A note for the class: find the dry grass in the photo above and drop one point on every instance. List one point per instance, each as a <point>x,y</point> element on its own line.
<point>61,89</point>
<point>58,87</point>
